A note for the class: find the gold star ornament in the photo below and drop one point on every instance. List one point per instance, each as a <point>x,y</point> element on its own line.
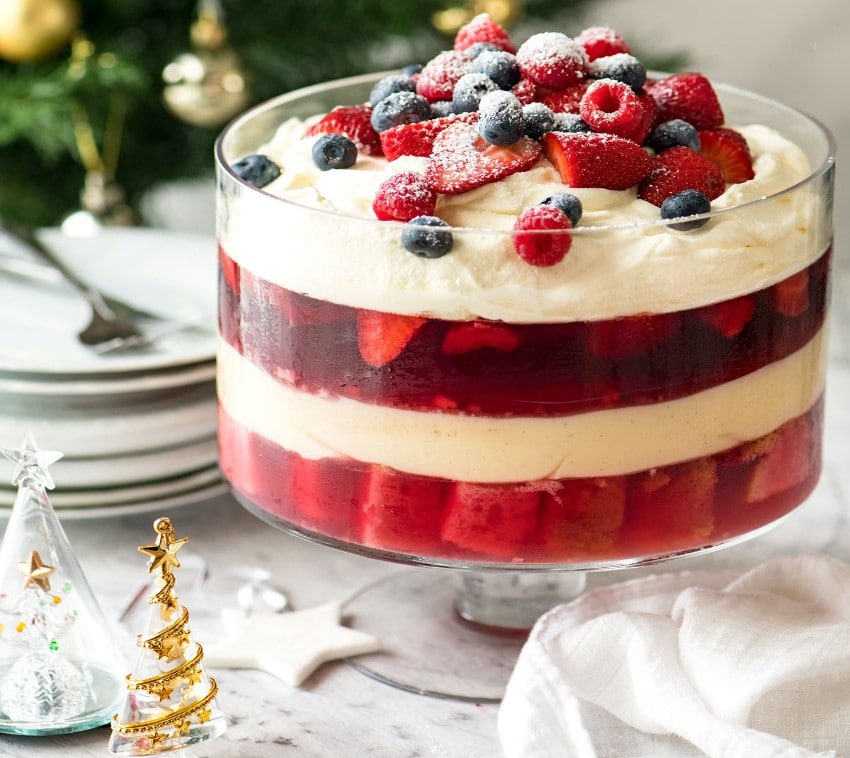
<point>35,572</point>
<point>163,554</point>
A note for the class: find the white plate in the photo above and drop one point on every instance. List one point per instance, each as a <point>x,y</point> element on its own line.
<point>172,274</point>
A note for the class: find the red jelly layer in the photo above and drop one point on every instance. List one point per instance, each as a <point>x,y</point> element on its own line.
<point>638,516</point>
<point>499,369</point>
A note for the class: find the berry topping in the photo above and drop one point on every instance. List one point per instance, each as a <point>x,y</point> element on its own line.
<point>441,108</point>
<point>688,202</point>
<point>473,51</point>
<point>568,203</point>
<point>404,196</point>
<point>334,151</point>
<point>600,41</point>
<point>438,78</point>
<point>482,28</point>
<point>500,119</point>
<point>525,91</point>
<point>679,169</point>
<point>352,121</point>
<point>469,90</point>
<point>538,120</point>
<point>463,160</point>
<point>536,247</point>
<point>613,107</point>
<point>729,317</point>
<point>672,133</point>
<point>500,66</point>
<point>687,96</point>
<point>729,150</point>
<point>567,100</point>
<point>621,67</point>
<point>256,169</point>
<point>427,237</point>
<point>389,85</point>
<point>570,122</point>
<point>400,108</point>
<point>418,139</point>
<point>552,59</point>
<point>597,160</point>
<point>382,336</point>
<point>474,335</point>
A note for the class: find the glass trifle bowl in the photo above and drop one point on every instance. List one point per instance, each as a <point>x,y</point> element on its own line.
<point>657,393</point>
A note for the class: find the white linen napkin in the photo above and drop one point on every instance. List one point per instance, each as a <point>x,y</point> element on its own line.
<point>690,664</point>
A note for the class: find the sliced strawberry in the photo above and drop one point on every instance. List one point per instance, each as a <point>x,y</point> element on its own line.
<point>677,169</point>
<point>438,78</point>
<point>463,160</point>
<point>418,139</point>
<point>382,336</point>
<point>729,317</point>
<point>729,150</point>
<point>788,463</point>
<point>352,121</point>
<point>601,41</point>
<point>474,335</point>
<point>482,28</point>
<point>632,336</point>
<point>791,295</point>
<point>596,160</point>
<point>613,107</point>
<point>566,100</point>
<point>689,97</point>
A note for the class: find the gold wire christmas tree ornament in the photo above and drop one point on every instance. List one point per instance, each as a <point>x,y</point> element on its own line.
<point>169,701</point>
<point>60,670</point>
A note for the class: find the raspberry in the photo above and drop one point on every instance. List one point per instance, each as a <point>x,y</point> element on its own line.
<point>552,59</point>
<point>437,80</point>
<point>567,100</point>
<point>525,91</point>
<point>482,28</point>
<point>689,97</point>
<point>600,41</point>
<point>537,248</point>
<point>729,150</point>
<point>352,121</point>
<point>613,107</point>
<point>404,196</point>
<point>587,159</point>
<point>678,169</point>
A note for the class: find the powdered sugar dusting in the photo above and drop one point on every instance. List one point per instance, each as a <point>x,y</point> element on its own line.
<point>552,59</point>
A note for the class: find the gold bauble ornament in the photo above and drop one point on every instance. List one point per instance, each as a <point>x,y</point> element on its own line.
<point>32,30</point>
<point>503,12</point>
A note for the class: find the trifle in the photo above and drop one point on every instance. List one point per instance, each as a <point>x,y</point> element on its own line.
<point>525,306</point>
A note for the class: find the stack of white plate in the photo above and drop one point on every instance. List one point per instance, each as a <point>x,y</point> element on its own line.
<point>137,427</point>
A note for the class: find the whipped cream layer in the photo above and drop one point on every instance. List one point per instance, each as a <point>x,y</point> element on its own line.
<point>307,245</point>
<point>481,449</point>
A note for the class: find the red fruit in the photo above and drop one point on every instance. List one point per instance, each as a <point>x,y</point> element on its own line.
<point>650,115</point>
<point>600,41</point>
<point>613,107</point>
<point>788,463</point>
<point>687,96</point>
<point>596,160</point>
<point>382,336</point>
<point>531,242</point>
<point>404,196</point>
<point>791,295</point>
<point>729,317</point>
<point>632,336</point>
<point>567,100</point>
<point>677,169</point>
<point>463,160</point>
<point>525,91</point>
<point>552,59</point>
<point>438,78</point>
<point>473,335</point>
<point>229,269</point>
<point>729,150</point>
<point>353,121</point>
<point>482,28</point>
<point>418,139</point>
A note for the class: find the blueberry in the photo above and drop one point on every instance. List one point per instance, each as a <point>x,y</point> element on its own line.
<point>441,108</point>
<point>570,122</point>
<point>689,202</point>
<point>672,133</point>
<point>538,119</point>
<point>474,50</point>
<point>334,151</point>
<point>389,85</point>
<point>413,68</point>
<point>256,169</point>
<point>469,90</point>
<point>500,120</point>
<point>427,243</point>
<point>400,108</point>
<point>568,203</point>
<point>500,66</point>
<point>621,67</point>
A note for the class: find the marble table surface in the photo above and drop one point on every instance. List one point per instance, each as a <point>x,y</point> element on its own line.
<point>338,711</point>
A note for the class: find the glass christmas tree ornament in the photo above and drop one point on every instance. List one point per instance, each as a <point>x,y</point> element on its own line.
<point>60,669</point>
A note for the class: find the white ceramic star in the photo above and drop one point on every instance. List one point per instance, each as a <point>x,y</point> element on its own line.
<point>288,645</point>
<point>31,463</point>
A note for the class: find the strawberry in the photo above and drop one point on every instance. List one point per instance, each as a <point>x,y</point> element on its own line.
<point>729,317</point>
<point>791,295</point>
<point>536,247</point>
<point>352,121</point>
<point>567,100</point>
<point>596,160</point>
<point>632,336</point>
<point>418,139</point>
<point>613,107</point>
<point>729,150</point>
<point>404,196</point>
<point>438,78</point>
<point>600,41</point>
<point>552,59</point>
<point>463,160</point>
<point>788,463</point>
<point>382,336</point>
<point>482,28</point>
<point>689,97</point>
<point>474,335</point>
<point>677,169</point>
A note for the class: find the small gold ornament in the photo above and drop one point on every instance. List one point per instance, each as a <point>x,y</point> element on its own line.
<point>504,12</point>
<point>208,85</point>
<point>31,30</point>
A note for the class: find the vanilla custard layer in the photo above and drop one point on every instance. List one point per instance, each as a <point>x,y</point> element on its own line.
<point>486,449</point>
